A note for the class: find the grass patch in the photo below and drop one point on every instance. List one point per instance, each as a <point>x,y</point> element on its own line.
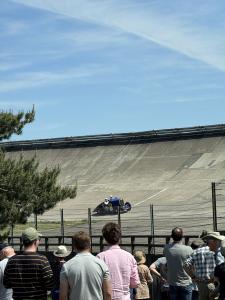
<point>47,226</point>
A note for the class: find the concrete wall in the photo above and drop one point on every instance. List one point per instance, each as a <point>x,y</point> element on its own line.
<point>175,176</point>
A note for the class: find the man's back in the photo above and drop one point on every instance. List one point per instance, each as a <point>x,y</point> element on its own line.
<point>29,275</point>
<point>202,259</point>
<point>85,274</point>
<point>176,254</point>
<point>123,271</point>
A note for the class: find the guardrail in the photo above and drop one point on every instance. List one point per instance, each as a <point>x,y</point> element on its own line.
<point>117,138</point>
<point>151,244</point>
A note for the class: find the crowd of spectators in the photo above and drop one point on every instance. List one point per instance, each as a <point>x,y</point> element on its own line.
<point>185,272</point>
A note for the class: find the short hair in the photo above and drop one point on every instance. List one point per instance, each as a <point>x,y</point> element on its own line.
<point>81,240</point>
<point>195,244</point>
<point>177,234</point>
<point>111,233</point>
<point>27,243</point>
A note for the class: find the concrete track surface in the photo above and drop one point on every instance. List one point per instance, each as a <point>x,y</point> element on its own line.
<point>174,176</point>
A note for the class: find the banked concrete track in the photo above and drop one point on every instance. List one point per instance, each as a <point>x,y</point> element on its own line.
<point>171,169</point>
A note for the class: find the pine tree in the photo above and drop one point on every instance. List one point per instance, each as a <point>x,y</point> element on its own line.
<point>24,189</point>
<point>13,123</point>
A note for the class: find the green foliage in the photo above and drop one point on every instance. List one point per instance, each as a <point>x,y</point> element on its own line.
<point>25,190</point>
<point>13,123</point>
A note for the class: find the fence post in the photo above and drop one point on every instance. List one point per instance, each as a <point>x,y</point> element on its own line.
<point>132,243</point>
<point>214,210</point>
<point>89,226</point>
<point>152,227</point>
<point>119,217</point>
<point>12,234</point>
<point>35,221</point>
<point>101,243</point>
<point>62,224</point>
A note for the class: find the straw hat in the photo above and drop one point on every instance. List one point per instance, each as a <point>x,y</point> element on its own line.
<point>140,257</point>
<point>61,251</point>
<point>215,235</point>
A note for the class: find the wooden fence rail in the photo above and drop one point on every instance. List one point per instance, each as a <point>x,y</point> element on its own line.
<point>129,242</point>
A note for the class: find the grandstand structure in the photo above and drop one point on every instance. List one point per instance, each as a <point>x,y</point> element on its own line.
<point>170,169</point>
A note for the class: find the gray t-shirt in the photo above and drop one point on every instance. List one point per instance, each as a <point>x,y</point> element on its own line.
<point>176,254</point>
<point>85,274</point>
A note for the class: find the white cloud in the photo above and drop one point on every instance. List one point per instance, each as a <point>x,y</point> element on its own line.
<point>175,31</point>
<point>12,27</point>
<point>26,80</point>
<point>9,66</point>
<point>89,39</point>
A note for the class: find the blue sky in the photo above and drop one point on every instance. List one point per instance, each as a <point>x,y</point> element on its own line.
<point>110,66</point>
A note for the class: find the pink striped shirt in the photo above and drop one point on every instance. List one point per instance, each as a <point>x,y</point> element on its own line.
<point>123,271</point>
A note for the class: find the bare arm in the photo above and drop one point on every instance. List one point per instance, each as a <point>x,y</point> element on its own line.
<point>64,290</point>
<point>106,289</point>
<point>189,268</point>
<point>153,270</point>
<point>148,276</point>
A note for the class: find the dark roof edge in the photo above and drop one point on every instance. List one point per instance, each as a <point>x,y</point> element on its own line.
<point>120,138</point>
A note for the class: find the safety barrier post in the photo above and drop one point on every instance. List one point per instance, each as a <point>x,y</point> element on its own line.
<point>62,224</point>
<point>214,210</point>
<point>89,225</point>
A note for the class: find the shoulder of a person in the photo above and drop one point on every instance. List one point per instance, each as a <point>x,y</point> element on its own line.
<point>40,256</point>
<point>185,247</point>
<point>161,260</point>
<point>144,267</point>
<point>167,246</point>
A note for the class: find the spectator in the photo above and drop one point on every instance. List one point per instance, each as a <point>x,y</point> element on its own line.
<point>5,252</point>
<point>2,246</point>
<point>59,256</point>
<point>200,267</point>
<point>195,295</point>
<point>176,253</point>
<point>122,265</point>
<point>159,269</point>
<point>220,274</point>
<point>142,291</point>
<point>213,240</point>
<point>84,276</point>
<point>29,274</point>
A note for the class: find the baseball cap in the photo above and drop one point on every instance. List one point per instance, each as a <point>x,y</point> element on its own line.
<point>30,234</point>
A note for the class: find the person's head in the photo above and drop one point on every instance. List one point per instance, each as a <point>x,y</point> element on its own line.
<point>177,234</point>
<point>81,241</point>
<point>213,240</point>
<point>111,233</point>
<point>203,234</point>
<point>61,252</point>
<point>140,257</point>
<point>8,251</point>
<point>195,244</point>
<point>2,247</point>
<point>31,238</point>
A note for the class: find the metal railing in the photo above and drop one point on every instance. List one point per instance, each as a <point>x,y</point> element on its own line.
<point>151,244</point>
